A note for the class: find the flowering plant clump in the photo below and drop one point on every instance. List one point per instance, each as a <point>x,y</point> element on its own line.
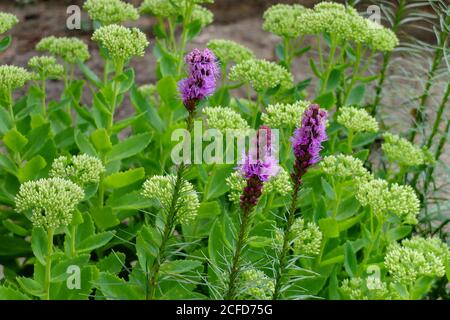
<point>46,67</point>
<point>110,11</point>
<point>12,77</point>
<point>70,50</point>
<point>82,169</point>
<point>160,188</point>
<point>403,152</point>
<point>228,51</point>
<point>217,174</point>
<point>52,201</point>
<point>357,120</point>
<point>261,74</point>
<point>223,118</point>
<point>284,115</point>
<point>122,43</point>
<point>7,21</point>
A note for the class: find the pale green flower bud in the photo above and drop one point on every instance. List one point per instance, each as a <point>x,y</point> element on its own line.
<point>223,118</point>
<point>82,169</point>
<point>122,43</point>
<point>70,50</point>
<point>161,8</point>
<point>345,167</point>
<point>237,184</point>
<point>46,67</point>
<point>374,193</point>
<point>347,25</point>
<point>428,157</point>
<point>307,237</point>
<point>12,77</point>
<point>415,258</point>
<point>371,288</point>
<point>282,115</point>
<point>161,188</point>
<point>258,285</point>
<point>203,15</point>
<point>400,201</point>
<point>403,203</point>
<point>110,11</point>
<point>357,120</point>
<point>283,20</point>
<point>150,92</point>
<point>381,38</point>
<point>400,150</point>
<point>262,74</point>
<point>280,184</point>
<point>228,51</point>
<point>7,21</point>
<point>351,288</point>
<point>52,201</point>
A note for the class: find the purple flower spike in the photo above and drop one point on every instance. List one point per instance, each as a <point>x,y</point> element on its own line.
<point>258,167</point>
<point>307,140</point>
<point>202,78</point>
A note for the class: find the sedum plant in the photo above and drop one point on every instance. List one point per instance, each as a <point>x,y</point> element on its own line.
<point>129,183</point>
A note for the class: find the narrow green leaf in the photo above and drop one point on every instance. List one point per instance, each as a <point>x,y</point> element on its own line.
<point>122,179</point>
<point>96,241</point>
<point>100,140</point>
<point>39,244</point>
<point>14,140</point>
<point>350,262</point>
<point>32,169</point>
<point>143,106</point>
<point>129,147</point>
<point>329,227</point>
<point>84,145</point>
<point>356,96</point>
<point>326,101</point>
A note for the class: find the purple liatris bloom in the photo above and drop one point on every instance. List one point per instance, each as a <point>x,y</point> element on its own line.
<point>307,140</point>
<point>202,77</point>
<point>258,167</point>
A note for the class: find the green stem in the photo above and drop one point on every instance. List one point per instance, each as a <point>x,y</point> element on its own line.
<point>319,50</point>
<point>105,72</point>
<point>329,66</point>
<point>355,72</point>
<point>118,71</point>
<point>44,100</point>
<point>11,108</point>
<point>437,155</point>
<point>186,21</point>
<point>169,223</point>
<point>283,261</point>
<point>223,83</point>
<point>440,113</point>
<point>48,264</point>
<point>419,118</point>
<point>399,15</point>
<point>269,202</point>
<point>287,53</point>
<point>73,231</point>
<point>237,257</point>
<point>371,247</point>
<point>350,141</point>
<point>173,43</point>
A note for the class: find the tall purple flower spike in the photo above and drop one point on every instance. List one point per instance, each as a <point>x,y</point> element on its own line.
<point>202,77</point>
<point>307,140</point>
<point>258,168</point>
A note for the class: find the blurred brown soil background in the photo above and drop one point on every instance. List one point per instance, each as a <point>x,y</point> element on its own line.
<point>239,20</point>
